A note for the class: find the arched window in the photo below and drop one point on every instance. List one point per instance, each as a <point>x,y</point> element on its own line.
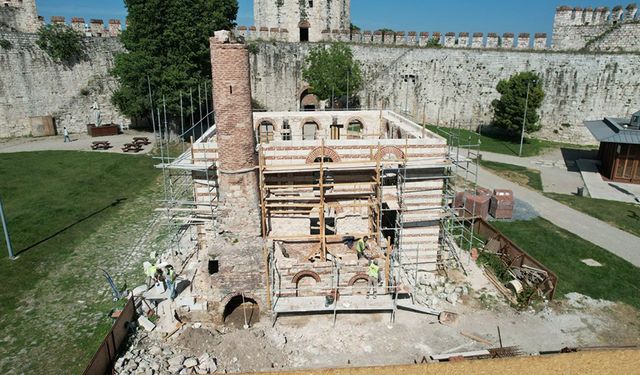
<point>304,31</point>
<point>266,132</point>
<point>309,130</point>
<point>355,129</point>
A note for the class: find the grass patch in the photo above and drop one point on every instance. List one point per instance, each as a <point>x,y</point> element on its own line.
<point>561,251</point>
<point>502,143</point>
<point>520,175</point>
<point>67,213</point>
<point>625,216</point>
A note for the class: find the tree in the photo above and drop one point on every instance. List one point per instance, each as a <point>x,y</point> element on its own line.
<point>167,41</point>
<point>332,72</point>
<point>510,108</point>
<point>61,43</point>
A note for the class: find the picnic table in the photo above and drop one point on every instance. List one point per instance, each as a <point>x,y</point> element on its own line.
<point>141,140</point>
<point>135,147</point>
<point>100,145</point>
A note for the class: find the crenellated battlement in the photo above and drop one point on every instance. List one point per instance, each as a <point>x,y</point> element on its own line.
<point>616,29</point>
<point>410,39</point>
<point>95,27</point>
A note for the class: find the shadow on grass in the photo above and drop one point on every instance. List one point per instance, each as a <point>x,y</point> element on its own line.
<point>114,204</point>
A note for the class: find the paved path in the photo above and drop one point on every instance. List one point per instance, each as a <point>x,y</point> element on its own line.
<point>558,175</point>
<point>79,142</point>
<point>616,241</point>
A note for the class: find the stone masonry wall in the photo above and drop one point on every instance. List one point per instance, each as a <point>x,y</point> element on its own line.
<point>31,84</point>
<point>597,29</point>
<point>320,15</point>
<point>456,86</point>
<point>19,16</point>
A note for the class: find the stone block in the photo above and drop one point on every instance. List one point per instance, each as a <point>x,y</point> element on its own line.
<point>146,323</point>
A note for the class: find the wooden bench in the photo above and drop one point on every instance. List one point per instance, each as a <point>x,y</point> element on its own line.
<point>141,140</point>
<point>100,145</point>
<point>135,147</point>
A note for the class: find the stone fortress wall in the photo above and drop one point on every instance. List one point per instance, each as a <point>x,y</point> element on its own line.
<point>452,85</point>
<point>19,16</point>
<point>36,86</point>
<point>597,29</point>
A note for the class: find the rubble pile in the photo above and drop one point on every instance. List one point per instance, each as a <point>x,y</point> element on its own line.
<point>434,289</point>
<point>162,361</point>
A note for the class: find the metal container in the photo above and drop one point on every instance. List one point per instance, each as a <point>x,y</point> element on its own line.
<point>502,204</point>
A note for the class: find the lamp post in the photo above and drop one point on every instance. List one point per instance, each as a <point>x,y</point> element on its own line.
<point>6,231</point>
<point>524,120</point>
<point>348,78</point>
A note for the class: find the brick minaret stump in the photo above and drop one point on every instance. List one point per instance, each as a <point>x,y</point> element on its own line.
<point>237,157</point>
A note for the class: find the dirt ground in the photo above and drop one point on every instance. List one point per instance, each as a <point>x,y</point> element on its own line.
<point>313,341</point>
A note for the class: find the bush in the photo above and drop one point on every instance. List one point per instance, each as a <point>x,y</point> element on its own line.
<point>5,44</point>
<point>61,43</point>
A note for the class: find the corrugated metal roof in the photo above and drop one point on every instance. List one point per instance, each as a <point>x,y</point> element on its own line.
<point>610,130</point>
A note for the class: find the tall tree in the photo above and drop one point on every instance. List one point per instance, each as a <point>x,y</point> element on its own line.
<point>509,110</point>
<point>332,72</point>
<point>167,41</point>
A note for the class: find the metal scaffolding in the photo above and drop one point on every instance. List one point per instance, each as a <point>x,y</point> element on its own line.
<point>189,182</point>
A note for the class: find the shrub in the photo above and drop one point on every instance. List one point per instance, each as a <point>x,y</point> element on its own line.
<point>5,44</point>
<point>61,43</point>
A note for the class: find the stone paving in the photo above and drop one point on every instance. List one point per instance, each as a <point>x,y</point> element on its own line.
<point>79,142</point>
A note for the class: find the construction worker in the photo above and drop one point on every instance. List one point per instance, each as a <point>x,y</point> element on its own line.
<point>150,272</point>
<point>170,279</point>
<point>373,273</point>
<point>361,246</point>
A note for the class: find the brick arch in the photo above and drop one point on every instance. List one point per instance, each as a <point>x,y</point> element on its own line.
<point>225,301</point>
<point>323,152</point>
<point>304,24</point>
<point>305,273</point>
<point>389,150</point>
<point>273,122</point>
<point>357,277</point>
<point>355,118</point>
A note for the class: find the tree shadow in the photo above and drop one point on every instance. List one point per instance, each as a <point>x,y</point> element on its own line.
<point>114,204</point>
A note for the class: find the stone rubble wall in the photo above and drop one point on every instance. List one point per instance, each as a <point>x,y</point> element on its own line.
<point>35,85</point>
<point>597,29</point>
<point>456,86</point>
<point>401,38</point>
<point>19,16</point>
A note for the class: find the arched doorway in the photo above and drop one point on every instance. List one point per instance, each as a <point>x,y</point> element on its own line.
<point>308,101</point>
<point>241,310</point>
<point>304,27</point>
<point>305,282</point>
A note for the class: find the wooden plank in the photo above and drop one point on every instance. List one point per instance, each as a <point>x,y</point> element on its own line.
<point>476,338</point>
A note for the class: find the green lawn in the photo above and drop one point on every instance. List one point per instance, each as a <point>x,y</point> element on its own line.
<point>520,175</point>
<point>561,251</point>
<point>501,144</point>
<point>66,213</point>
<point>625,216</point>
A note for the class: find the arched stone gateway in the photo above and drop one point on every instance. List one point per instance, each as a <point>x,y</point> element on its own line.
<point>389,150</point>
<point>231,308</point>
<point>320,152</point>
<point>306,273</point>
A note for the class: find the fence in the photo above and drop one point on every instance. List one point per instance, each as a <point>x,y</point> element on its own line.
<point>516,258</point>
<point>102,361</point>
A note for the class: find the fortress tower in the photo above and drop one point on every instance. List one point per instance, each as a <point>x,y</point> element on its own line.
<point>18,16</point>
<point>305,20</point>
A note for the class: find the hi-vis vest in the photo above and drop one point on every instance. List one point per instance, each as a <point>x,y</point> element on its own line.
<point>373,270</point>
<point>361,245</point>
<point>150,271</point>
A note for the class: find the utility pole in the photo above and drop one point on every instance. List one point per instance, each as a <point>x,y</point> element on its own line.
<point>6,231</point>
<point>524,120</point>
